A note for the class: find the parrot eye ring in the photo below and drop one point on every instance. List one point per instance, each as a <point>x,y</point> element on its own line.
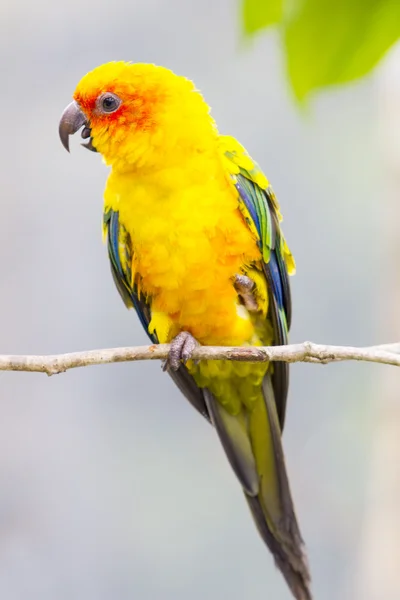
<point>108,102</point>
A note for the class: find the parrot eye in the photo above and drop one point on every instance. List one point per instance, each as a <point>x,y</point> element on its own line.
<point>108,103</point>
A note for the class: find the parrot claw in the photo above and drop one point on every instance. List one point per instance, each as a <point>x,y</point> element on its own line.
<point>181,350</point>
<point>244,287</point>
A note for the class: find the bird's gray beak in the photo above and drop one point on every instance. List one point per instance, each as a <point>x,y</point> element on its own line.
<point>71,121</point>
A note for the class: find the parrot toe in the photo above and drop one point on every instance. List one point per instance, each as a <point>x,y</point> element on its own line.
<point>182,347</point>
<point>244,287</point>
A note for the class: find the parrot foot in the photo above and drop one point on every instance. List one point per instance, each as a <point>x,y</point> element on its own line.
<point>182,347</point>
<point>244,287</point>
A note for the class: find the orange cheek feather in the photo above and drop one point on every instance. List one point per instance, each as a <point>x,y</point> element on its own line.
<point>137,109</point>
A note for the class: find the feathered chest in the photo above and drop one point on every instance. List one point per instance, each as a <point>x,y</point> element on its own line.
<point>187,237</point>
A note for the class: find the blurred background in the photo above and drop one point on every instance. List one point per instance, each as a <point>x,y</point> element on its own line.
<point>111,486</point>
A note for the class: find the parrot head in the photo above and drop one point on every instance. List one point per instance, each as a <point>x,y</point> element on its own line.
<point>136,114</point>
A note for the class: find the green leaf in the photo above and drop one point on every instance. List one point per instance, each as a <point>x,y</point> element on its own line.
<point>335,41</point>
<point>258,14</point>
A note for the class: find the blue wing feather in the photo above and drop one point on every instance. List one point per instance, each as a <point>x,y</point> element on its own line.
<point>242,186</point>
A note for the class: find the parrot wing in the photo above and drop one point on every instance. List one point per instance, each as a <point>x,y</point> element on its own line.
<point>120,254</point>
<point>252,441</point>
<point>260,209</point>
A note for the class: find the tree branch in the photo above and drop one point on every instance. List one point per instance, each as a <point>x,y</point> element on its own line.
<point>388,354</point>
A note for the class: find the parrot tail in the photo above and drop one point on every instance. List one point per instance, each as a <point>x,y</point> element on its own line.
<point>252,443</point>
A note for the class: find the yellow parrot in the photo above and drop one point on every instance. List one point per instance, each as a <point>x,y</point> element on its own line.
<point>195,246</point>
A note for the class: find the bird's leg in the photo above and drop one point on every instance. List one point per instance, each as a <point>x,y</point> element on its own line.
<point>182,347</point>
<point>245,287</point>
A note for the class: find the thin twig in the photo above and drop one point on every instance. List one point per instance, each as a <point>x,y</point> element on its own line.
<point>388,354</point>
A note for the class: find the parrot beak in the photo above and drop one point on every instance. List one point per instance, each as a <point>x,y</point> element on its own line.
<point>71,121</point>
